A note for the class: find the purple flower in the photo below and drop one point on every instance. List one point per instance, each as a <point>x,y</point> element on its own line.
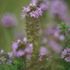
<point>15,46</point>
<point>66,54</point>
<point>22,47</point>
<point>34,10</point>
<point>8,20</point>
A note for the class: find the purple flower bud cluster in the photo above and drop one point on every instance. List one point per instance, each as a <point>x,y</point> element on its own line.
<point>66,54</point>
<point>22,48</point>
<point>34,10</point>
<point>8,20</point>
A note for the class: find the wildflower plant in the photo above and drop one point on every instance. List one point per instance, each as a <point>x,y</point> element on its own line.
<point>42,47</point>
<point>33,13</point>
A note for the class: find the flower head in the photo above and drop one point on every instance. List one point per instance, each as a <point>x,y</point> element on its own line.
<point>8,20</point>
<point>22,47</point>
<point>34,9</point>
<point>18,48</point>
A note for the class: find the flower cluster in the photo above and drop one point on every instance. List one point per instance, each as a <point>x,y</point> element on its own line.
<point>35,9</point>
<point>8,20</point>
<point>22,48</point>
<point>66,54</point>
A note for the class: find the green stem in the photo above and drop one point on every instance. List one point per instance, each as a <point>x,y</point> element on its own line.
<point>33,35</point>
